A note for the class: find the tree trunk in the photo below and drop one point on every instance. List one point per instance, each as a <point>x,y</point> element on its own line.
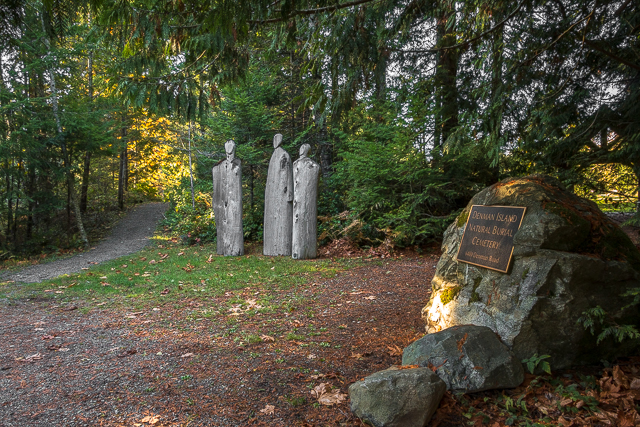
<point>251,187</point>
<point>87,156</point>
<point>193,197</point>
<point>5,136</point>
<point>9,200</point>
<point>63,145</point>
<point>497,105</point>
<point>448,71</point>
<point>122,173</point>
<point>121,179</point>
<point>85,182</point>
<point>636,170</point>
<point>68,206</point>
<point>16,211</point>
<point>30,190</point>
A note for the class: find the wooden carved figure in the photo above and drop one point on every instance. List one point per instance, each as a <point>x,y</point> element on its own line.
<point>278,202</point>
<point>227,203</point>
<point>305,206</point>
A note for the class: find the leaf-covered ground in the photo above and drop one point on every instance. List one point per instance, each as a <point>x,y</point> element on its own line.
<point>179,336</point>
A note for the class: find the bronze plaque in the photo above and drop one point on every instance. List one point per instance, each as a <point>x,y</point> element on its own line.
<point>488,238</point>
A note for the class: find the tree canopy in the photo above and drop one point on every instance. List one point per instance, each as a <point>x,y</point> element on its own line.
<point>410,106</point>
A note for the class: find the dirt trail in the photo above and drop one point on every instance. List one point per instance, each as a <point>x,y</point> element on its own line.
<point>130,234</point>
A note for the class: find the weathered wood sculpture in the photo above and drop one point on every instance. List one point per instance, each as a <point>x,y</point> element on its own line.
<point>305,206</point>
<point>227,203</point>
<point>278,202</point>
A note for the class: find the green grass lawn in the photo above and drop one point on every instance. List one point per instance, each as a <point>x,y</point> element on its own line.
<point>166,271</point>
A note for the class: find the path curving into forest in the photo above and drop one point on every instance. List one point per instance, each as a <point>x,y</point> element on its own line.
<point>129,235</point>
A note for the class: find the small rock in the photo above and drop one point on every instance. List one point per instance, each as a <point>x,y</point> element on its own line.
<point>397,397</point>
<point>467,358</point>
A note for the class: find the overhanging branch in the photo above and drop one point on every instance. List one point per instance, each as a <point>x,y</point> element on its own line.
<point>594,45</point>
<point>315,11</point>
<point>466,42</point>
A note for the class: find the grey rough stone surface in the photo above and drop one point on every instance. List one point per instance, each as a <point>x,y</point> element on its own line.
<point>278,203</point>
<point>227,204</point>
<point>467,358</point>
<point>305,206</point>
<point>568,257</point>
<point>397,398</point>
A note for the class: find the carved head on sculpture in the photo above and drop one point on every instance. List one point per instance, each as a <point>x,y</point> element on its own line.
<point>304,150</point>
<point>230,148</point>
<point>277,140</point>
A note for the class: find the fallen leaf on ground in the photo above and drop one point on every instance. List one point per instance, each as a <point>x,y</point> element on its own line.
<point>252,304</point>
<point>236,310</point>
<point>566,401</point>
<point>327,397</point>
<point>187,355</point>
<point>361,355</point>
<point>400,368</point>
<point>31,358</point>
<point>395,350</point>
<point>165,291</point>
<point>127,353</point>
<point>149,419</point>
<point>268,410</point>
<point>267,338</point>
<point>319,390</point>
<point>372,297</point>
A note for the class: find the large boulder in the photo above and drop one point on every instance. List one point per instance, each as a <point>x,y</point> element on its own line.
<point>568,257</point>
<point>397,397</point>
<point>467,358</point>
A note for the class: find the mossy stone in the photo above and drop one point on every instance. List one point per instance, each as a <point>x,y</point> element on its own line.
<point>449,295</point>
<point>568,257</point>
<point>463,217</point>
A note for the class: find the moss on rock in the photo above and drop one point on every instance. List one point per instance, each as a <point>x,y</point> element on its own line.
<point>462,218</point>
<point>449,294</point>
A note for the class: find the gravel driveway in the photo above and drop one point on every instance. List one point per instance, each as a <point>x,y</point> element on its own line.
<point>129,235</point>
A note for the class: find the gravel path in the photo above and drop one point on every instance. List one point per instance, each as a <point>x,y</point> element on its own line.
<point>129,235</point>
<point>186,361</point>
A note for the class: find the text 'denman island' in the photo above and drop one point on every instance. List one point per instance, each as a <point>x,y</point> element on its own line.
<point>488,236</point>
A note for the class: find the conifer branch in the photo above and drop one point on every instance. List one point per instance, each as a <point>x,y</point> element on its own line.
<point>594,45</point>
<point>315,11</point>
<point>466,42</point>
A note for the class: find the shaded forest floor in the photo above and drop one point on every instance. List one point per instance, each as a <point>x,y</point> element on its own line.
<point>211,361</point>
<point>165,340</point>
<point>258,355</point>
